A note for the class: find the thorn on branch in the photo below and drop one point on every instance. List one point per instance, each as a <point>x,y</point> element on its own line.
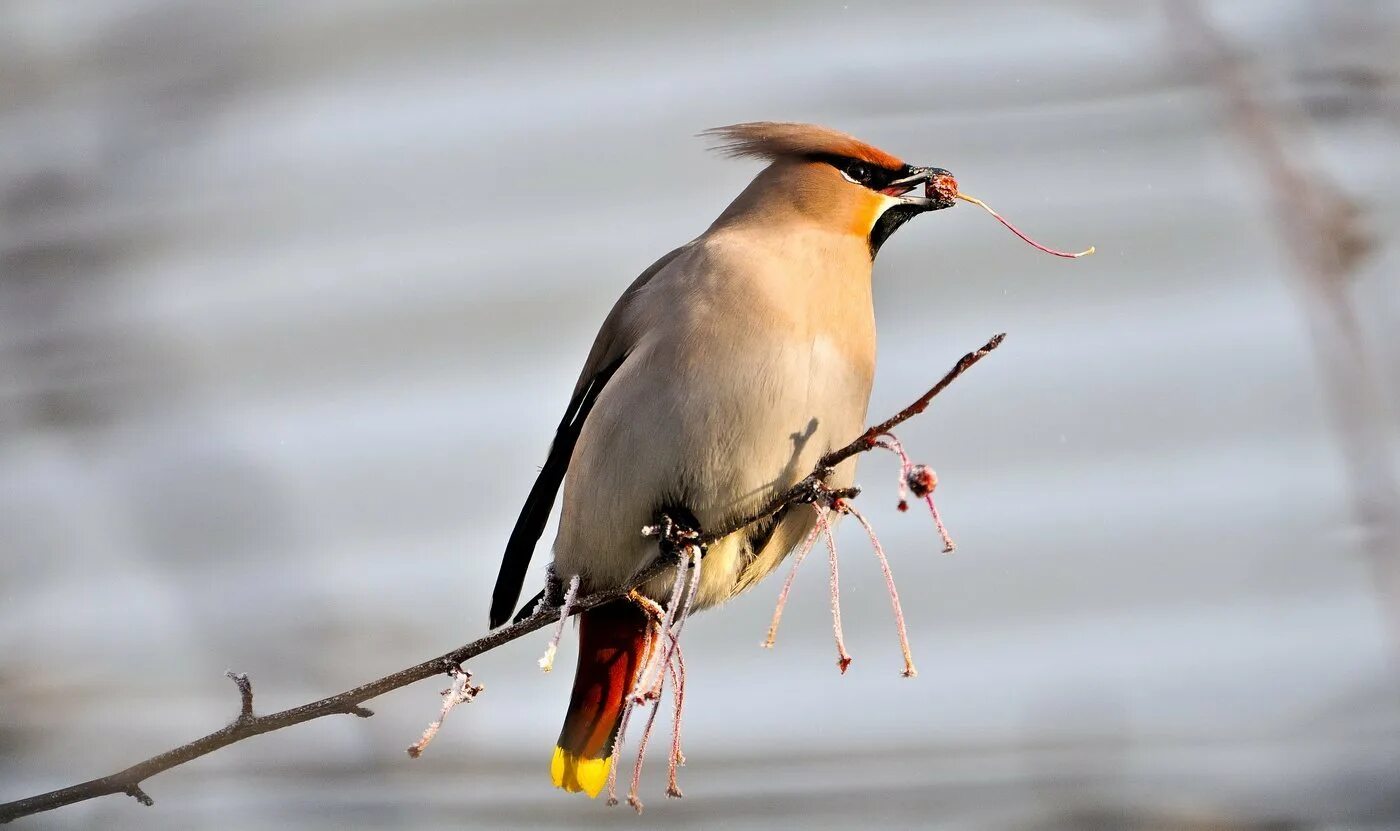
<point>245,694</point>
<point>134,791</point>
<point>462,691</point>
<point>357,710</point>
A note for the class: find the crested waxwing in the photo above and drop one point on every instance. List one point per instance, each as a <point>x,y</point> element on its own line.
<point>717,380</point>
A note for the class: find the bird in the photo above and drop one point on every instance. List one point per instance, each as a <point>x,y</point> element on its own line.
<point>719,378</point>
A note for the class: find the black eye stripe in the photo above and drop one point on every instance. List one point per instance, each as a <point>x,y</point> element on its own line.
<point>879,177</point>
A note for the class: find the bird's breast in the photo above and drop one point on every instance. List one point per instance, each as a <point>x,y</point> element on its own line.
<point>731,394</point>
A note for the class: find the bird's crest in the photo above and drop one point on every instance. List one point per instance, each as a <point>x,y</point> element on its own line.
<point>772,140</point>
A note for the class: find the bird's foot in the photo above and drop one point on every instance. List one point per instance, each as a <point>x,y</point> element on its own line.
<point>676,537</point>
<point>553,594</point>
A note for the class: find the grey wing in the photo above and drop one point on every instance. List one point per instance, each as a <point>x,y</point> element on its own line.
<point>609,350</point>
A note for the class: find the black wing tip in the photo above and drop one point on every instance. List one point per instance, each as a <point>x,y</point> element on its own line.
<point>511,578</point>
<point>529,607</point>
<point>500,613</point>
<point>534,514</point>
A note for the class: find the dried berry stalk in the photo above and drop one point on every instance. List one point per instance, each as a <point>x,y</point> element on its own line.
<point>946,187</point>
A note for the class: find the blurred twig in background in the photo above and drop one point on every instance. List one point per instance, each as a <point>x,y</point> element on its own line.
<point>1324,231</point>
<point>811,489</point>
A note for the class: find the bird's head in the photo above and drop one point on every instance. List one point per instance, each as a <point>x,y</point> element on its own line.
<point>820,175</point>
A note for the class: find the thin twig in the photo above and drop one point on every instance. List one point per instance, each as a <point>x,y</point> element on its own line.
<point>867,439</point>
<point>349,702</point>
<point>547,661</point>
<point>843,659</point>
<point>787,585</point>
<point>677,668</point>
<point>948,545</point>
<point>922,482</point>
<point>245,692</point>
<point>654,670</point>
<point>909,670</point>
<point>650,645</point>
<point>892,444</point>
<point>807,490</point>
<point>346,703</point>
<point>696,556</point>
<point>633,798</point>
<point>462,691</point>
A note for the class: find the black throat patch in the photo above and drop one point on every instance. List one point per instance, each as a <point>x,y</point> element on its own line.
<point>888,223</point>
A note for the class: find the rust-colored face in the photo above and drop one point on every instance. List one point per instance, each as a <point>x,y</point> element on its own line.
<point>885,196</point>
<point>871,193</point>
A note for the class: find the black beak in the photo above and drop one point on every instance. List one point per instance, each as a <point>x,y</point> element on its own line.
<point>934,198</point>
<point>940,188</point>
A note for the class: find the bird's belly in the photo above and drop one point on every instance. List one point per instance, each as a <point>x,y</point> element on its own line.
<point>713,438</point>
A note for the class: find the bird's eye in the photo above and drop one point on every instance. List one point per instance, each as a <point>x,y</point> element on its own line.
<point>860,172</point>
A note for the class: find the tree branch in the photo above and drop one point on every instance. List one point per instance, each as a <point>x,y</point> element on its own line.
<point>812,486</point>
<point>247,724</point>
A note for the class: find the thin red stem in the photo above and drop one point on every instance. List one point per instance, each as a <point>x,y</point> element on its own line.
<point>948,545</point>
<point>843,659</point>
<point>909,670</point>
<point>1017,231</point>
<point>787,585</point>
<point>632,798</point>
<point>677,668</point>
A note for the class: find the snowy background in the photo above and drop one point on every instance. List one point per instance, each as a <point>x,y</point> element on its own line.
<point>293,295</point>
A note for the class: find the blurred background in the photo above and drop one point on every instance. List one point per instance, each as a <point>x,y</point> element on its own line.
<point>293,295</point>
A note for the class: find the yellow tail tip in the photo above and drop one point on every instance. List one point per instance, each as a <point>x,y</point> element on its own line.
<point>575,774</point>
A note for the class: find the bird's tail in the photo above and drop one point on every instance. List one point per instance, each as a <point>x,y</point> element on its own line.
<point>612,640</point>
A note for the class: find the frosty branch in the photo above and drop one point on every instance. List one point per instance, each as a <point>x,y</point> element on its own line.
<point>810,490</point>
